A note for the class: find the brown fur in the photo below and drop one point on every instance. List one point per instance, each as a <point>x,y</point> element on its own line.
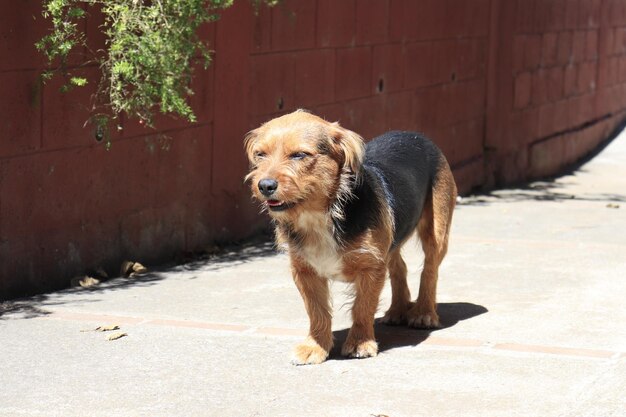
<point>312,186</point>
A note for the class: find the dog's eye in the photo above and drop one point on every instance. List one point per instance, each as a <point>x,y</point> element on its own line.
<point>298,155</point>
<point>259,155</point>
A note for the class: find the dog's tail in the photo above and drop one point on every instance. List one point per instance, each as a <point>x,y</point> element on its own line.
<point>434,223</point>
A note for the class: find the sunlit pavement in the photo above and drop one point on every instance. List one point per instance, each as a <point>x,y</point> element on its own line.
<point>531,296</point>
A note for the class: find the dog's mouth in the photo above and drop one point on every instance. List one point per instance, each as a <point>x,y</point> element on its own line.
<point>278,205</point>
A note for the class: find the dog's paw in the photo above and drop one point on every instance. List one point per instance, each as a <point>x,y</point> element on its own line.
<point>423,320</point>
<point>366,349</point>
<point>394,317</point>
<point>309,353</point>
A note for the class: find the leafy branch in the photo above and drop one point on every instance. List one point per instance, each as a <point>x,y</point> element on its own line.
<point>150,49</point>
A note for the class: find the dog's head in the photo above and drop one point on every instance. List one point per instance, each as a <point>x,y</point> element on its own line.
<point>300,162</point>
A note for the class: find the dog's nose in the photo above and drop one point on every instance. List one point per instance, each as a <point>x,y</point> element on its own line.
<point>267,186</point>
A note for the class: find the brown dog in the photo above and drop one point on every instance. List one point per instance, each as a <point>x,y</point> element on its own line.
<point>344,210</point>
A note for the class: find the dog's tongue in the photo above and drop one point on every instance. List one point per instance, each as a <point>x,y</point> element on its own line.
<point>273,203</point>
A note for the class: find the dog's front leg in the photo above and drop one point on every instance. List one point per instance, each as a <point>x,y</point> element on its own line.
<point>314,291</point>
<point>361,342</point>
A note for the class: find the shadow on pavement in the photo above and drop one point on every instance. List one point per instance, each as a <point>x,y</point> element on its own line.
<point>36,306</point>
<point>390,337</point>
<point>227,256</point>
<point>548,189</point>
<point>538,191</point>
<point>24,308</point>
<point>233,255</point>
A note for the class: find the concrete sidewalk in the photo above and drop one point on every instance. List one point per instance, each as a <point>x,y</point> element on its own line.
<point>531,296</point>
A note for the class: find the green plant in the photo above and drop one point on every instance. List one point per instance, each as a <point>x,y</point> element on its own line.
<point>150,51</point>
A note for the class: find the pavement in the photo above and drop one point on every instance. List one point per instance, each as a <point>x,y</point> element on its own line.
<point>531,296</point>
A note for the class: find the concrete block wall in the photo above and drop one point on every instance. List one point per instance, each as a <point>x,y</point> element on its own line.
<point>376,65</point>
<point>509,89</point>
<point>558,87</point>
<point>67,204</point>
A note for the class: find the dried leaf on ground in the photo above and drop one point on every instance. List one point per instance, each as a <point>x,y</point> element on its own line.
<point>85,282</point>
<point>131,269</point>
<point>613,205</point>
<point>126,268</point>
<point>139,268</point>
<point>108,328</point>
<point>116,336</point>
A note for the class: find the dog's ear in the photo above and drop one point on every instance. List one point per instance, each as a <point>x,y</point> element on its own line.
<point>351,146</point>
<point>249,142</point>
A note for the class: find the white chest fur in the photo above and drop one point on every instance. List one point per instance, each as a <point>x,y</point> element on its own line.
<point>319,249</point>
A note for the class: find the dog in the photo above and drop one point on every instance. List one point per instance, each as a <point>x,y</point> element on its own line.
<point>344,209</point>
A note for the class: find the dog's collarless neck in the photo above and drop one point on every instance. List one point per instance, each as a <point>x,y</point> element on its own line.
<point>306,226</point>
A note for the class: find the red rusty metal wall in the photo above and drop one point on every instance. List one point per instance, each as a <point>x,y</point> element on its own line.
<point>509,89</point>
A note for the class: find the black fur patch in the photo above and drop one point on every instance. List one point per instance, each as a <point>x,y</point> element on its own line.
<point>361,212</point>
<point>398,171</point>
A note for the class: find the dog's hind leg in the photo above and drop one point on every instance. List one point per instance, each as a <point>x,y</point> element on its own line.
<point>400,293</point>
<point>433,229</point>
